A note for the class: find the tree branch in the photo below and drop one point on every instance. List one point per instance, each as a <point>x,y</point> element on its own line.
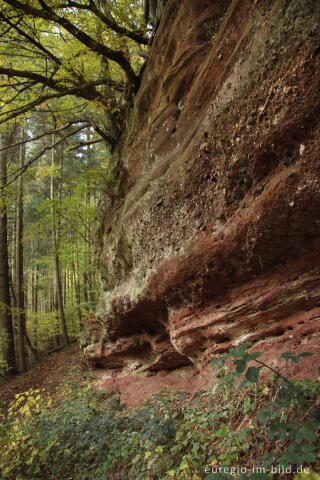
<point>137,37</point>
<point>107,138</point>
<point>29,106</point>
<point>87,91</point>
<point>82,144</point>
<point>48,132</point>
<point>47,14</point>
<point>59,214</point>
<point>28,86</point>
<point>11,72</point>
<point>31,40</point>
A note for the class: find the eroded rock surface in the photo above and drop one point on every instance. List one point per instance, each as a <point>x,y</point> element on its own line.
<point>210,236</point>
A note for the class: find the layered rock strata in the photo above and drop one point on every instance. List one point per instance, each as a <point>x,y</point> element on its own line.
<point>210,234</point>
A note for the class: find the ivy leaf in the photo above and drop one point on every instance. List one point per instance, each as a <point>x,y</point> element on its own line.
<point>232,352</point>
<point>268,457</point>
<point>264,416</point>
<point>278,430</point>
<point>243,434</point>
<point>305,354</point>
<point>286,356</point>
<point>309,452</point>
<point>216,362</point>
<point>253,356</point>
<point>252,374</point>
<point>298,454</point>
<point>295,359</point>
<point>307,431</point>
<point>240,366</point>
<point>242,350</point>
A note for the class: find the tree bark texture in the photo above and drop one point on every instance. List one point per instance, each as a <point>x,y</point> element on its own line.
<point>6,327</point>
<point>56,257</point>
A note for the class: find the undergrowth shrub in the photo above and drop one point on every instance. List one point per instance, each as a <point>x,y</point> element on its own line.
<point>90,435</point>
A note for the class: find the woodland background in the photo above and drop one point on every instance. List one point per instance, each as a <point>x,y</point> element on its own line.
<point>68,73</point>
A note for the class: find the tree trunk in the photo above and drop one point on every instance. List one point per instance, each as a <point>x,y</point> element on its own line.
<point>77,290</point>
<point>33,350</point>
<point>35,297</point>
<point>21,319</point>
<point>7,354</point>
<point>56,258</point>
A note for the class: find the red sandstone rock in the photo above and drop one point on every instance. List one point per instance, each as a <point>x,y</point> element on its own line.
<point>213,236</point>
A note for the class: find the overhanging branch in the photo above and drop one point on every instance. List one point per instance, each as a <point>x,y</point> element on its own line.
<point>83,144</point>
<point>48,132</point>
<point>48,14</point>
<point>31,40</point>
<point>137,37</point>
<point>87,91</point>
<point>107,138</point>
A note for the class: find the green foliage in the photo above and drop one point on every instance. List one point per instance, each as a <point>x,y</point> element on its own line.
<point>91,435</point>
<point>288,422</point>
<point>81,60</point>
<point>76,179</point>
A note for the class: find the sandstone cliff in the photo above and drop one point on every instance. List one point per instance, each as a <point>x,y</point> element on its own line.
<point>210,235</point>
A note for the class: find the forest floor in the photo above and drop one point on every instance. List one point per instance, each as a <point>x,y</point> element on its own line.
<point>51,370</point>
<point>66,428</point>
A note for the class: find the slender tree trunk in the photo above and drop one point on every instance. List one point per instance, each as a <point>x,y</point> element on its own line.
<point>64,290</point>
<point>56,258</point>
<point>77,290</point>
<point>72,275</point>
<point>55,308</point>
<point>89,275</point>
<point>86,262</point>
<point>33,350</point>
<point>35,297</point>
<point>50,306</point>
<point>12,275</point>
<point>21,319</point>
<point>7,353</point>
